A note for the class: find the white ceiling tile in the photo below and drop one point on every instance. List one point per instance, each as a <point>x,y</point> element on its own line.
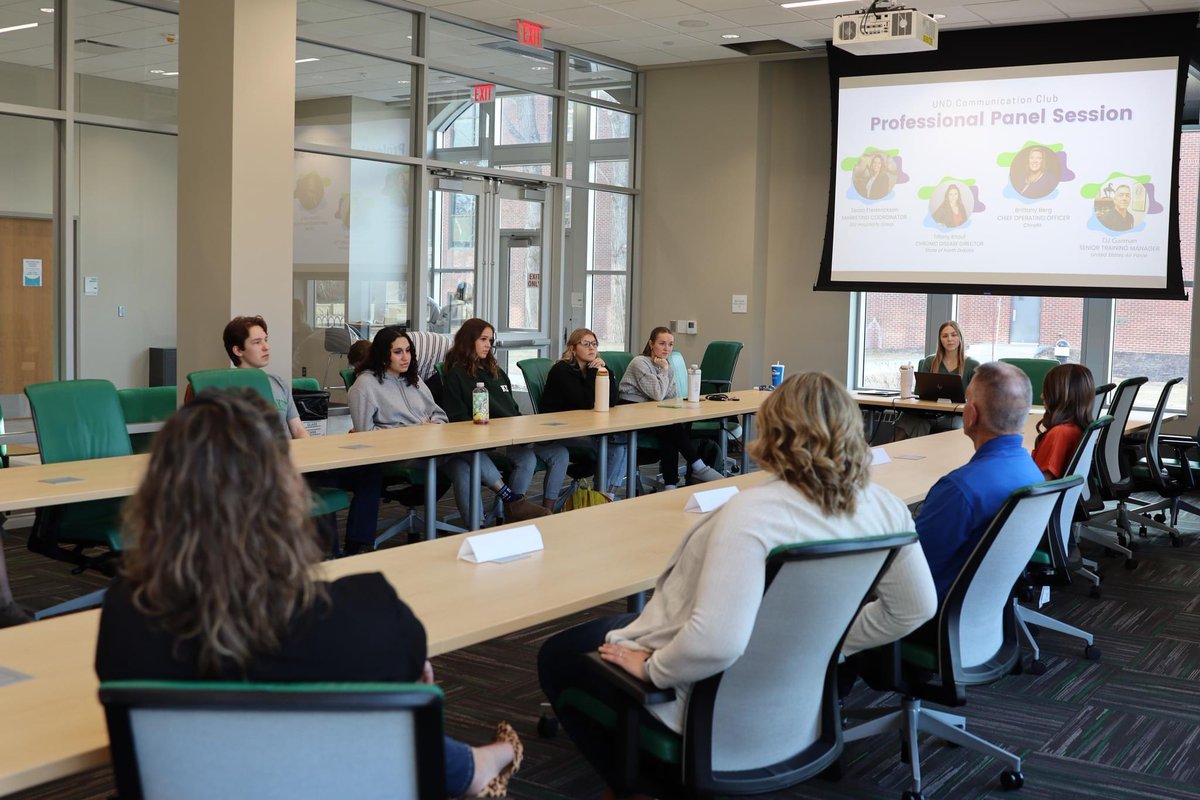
<point>572,35</point>
<point>711,22</point>
<point>590,15</point>
<point>479,9</point>
<point>793,31</point>
<point>541,6</point>
<point>1172,5</point>
<point>761,15</point>
<point>1093,8</point>
<point>1016,10</point>
<point>744,35</point>
<point>632,29</point>
<point>725,5</point>
<point>651,9</point>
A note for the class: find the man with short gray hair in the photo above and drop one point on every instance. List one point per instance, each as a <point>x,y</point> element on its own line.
<point>961,505</point>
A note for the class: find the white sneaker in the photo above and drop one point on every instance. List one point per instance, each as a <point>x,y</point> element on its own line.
<point>705,474</point>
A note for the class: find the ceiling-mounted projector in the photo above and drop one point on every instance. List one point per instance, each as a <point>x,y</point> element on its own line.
<point>894,30</point>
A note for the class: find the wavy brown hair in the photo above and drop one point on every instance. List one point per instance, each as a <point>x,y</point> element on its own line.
<point>654,334</point>
<point>810,434</point>
<point>462,352</point>
<point>575,338</point>
<point>220,544</point>
<point>1067,393</point>
<point>379,358</point>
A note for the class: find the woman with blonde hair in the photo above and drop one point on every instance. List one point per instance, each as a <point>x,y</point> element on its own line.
<point>571,385</point>
<point>699,619</point>
<point>950,358</point>
<point>219,581</point>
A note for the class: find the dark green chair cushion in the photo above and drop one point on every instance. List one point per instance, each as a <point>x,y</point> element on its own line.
<point>664,747</point>
<point>247,378</point>
<point>146,404</point>
<point>306,384</point>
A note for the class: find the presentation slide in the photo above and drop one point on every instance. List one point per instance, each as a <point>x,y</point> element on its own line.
<point>1050,175</point>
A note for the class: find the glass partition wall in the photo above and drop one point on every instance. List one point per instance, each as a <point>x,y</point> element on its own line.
<point>441,171</point>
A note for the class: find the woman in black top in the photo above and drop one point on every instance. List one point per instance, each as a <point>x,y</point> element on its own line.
<point>571,386</point>
<point>218,582</point>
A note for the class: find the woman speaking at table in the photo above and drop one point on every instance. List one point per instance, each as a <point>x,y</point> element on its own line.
<point>218,581</point>
<point>950,359</point>
<point>699,619</point>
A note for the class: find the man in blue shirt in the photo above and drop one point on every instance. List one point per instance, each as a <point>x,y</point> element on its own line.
<point>962,504</point>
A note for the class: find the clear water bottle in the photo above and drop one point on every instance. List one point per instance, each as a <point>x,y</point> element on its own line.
<point>601,401</point>
<point>480,412</point>
<point>694,384</point>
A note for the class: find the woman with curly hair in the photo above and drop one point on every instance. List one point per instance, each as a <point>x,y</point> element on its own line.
<point>698,622</point>
<point>218,581</point>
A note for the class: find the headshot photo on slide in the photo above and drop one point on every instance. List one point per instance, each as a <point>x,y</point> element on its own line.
<point>874,176</point>
<point>951,204</point>
<point>1115,206</point>
<point>1035,171</point>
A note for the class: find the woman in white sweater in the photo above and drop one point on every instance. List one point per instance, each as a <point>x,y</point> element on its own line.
<point>699,620</point>
<point>649,379</point>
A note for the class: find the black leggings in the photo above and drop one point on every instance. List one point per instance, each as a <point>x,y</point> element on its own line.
<point>674,441</point>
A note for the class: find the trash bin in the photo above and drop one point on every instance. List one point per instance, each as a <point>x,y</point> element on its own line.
<point>314,409</point>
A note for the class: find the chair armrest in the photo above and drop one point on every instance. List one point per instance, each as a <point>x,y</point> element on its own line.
<point>721,385</point>
<point>644,692</point>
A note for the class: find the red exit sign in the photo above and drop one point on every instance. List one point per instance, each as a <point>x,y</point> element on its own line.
<point>529,33</point>
<point>483,92</point>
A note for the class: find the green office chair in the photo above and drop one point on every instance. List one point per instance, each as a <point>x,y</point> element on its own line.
<point>78,421</point>
<point>146,404</point>
<point>306,384</point>
<point>583,461</point>
<point>326,501</point>
<point>718,365</point>
<point>1036,369</point>
<point>772,719</point>
<point>617,362</point>
<point>347,377</point>
<point>189,740</point>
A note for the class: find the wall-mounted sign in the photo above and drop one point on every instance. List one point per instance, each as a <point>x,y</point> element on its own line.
<point>483,92</point>
<point>529,33</point>
<point>31,272</point>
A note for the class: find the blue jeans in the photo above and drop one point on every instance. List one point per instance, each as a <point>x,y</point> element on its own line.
<point>458,469</point>
<point>460,766</point>
<point>365,484</point>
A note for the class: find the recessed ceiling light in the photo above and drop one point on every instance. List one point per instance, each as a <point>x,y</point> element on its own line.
<point>730,36</point>
<point>169,74</point>
<point>18,27</point>
<point>401,81</point>
<point>46,10</point>
<point>692,23</point>
<point>539,69</point>
<point>938,16</point>
<point>306,60</point>
<point>156,72</point>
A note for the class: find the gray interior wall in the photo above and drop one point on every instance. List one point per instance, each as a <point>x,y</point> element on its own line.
<point>126,239</point>
<point>735,193</point>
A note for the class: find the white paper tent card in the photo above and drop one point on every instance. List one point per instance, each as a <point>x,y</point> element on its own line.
<point>879,456</point>
<point>710,499</point>
<point>502,545</point>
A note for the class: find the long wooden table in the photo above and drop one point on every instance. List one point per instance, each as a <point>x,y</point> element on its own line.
<point>52,725</point>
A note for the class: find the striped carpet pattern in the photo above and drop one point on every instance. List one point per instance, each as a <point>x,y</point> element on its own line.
<point>1126,727</point>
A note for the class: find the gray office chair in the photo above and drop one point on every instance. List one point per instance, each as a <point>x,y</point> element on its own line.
<point>1111,528</point>
<point>770,720</point>
<point>1049,566</point>
<point>972,640</point>
<point>181,740</point>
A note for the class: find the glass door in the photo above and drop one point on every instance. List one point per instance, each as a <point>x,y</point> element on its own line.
<point>522,278</point>
<point>458,249</point>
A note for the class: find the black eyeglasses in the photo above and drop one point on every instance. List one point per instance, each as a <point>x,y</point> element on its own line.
<point>590,344</point>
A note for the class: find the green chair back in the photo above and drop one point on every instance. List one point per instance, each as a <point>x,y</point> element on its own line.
<point>1036,369</point>
<point>347,377</point>
<point>535,371</point>
<point>306,384</point>
<point>78,420</point>
<point>617,362</point>
<point>718,365</point>
<point>247,377</point>
<point>146,404</point>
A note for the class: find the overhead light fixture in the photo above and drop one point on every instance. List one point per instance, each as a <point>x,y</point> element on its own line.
<point>803,3</point>
<point>46,10</point>
<point>401,81</point>
<point>156,72</point>
<point>306,60</point>
<point>730,36</point>
<point>539,69</point>
<point>938,16</point>
<point>18,27</point>
<point>169,74</point>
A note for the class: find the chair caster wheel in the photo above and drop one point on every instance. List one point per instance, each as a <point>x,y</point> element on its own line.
<point>1142,532</point>
<point>1159,518</point>
<point>1037,667</point>
<point>1011,780</point>
<point>1094,592</point>
<point>911,795</point>
<point>547,726</point>
<point>1131,564</point>
<point>1026,594</point>
<point>1091,652</point>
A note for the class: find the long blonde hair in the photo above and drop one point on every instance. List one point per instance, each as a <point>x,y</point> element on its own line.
<point>220,546</point>
<point>940,356</point>
<point>810,434</point>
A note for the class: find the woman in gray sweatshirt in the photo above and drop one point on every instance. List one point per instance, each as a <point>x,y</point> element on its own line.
<point>388,392</point>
